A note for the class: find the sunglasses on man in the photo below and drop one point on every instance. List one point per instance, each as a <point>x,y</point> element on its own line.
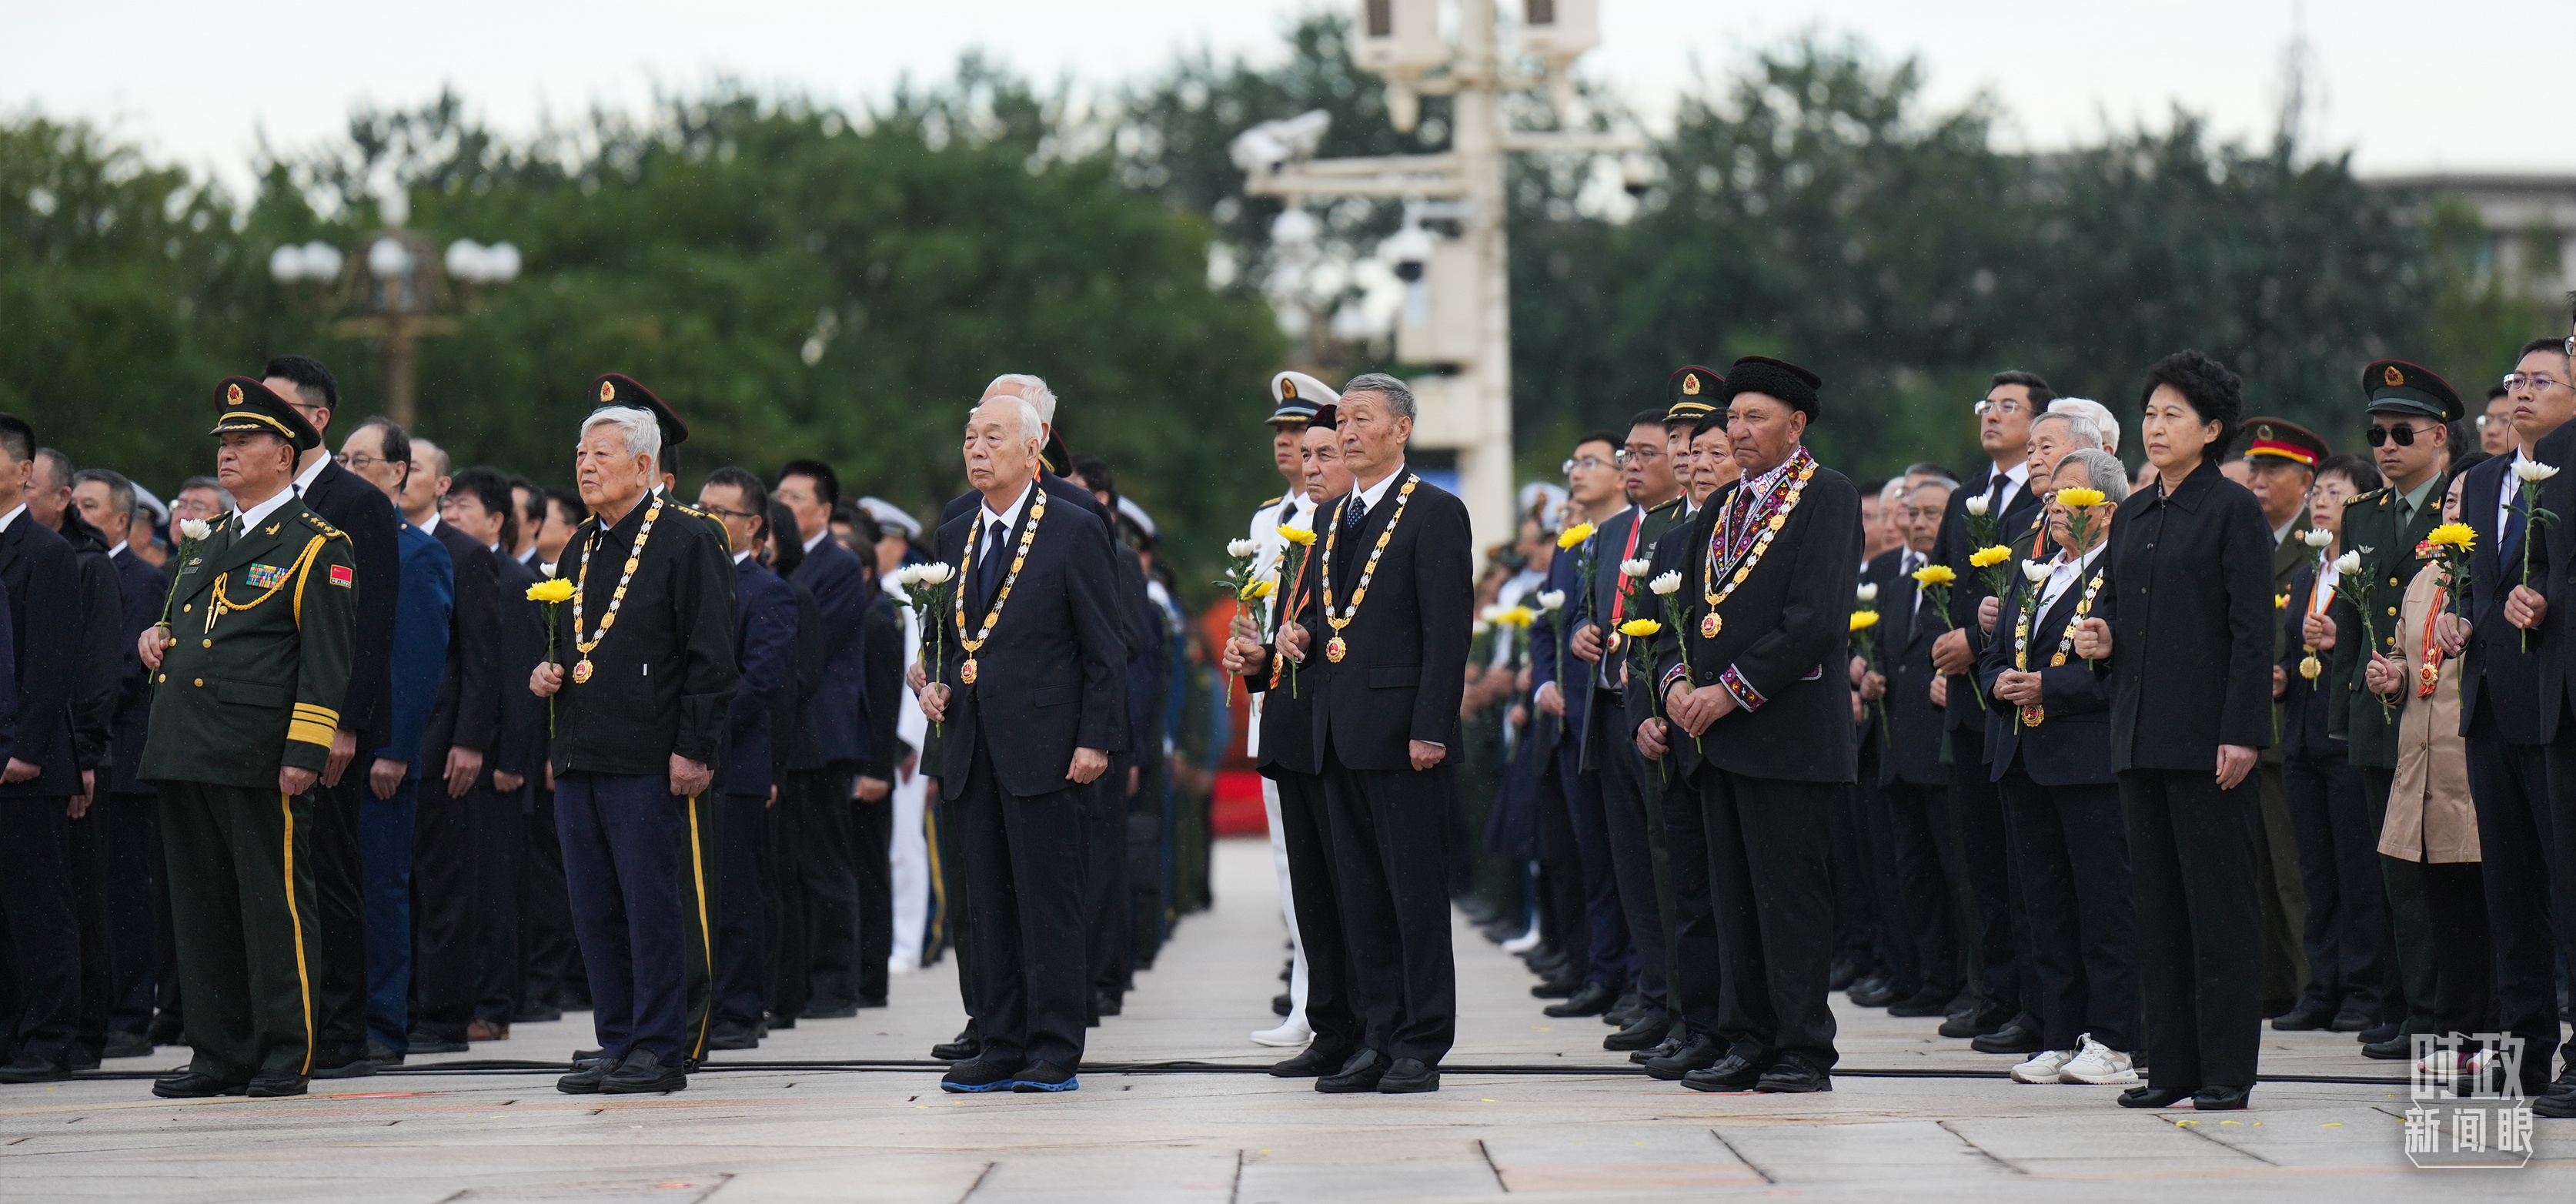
<point>2404,435</point>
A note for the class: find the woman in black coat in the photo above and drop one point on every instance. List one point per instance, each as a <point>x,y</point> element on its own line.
<point>2190,647</point>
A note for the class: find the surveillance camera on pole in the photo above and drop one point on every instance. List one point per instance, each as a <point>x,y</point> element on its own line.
<point>1268,148</point>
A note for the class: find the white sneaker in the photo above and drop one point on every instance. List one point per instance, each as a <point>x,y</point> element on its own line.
<point>1524,942</point>
<point>2043,1066</point>
<point>2099,1064</point>
<point>1293,1033</point>
<point>2449,1062</point>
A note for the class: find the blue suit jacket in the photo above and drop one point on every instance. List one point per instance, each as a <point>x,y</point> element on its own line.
<point>1547,650</point>
<point>143,588</point>
<point>839,710</point>
<point>764,646</point>
<point>423,610</point>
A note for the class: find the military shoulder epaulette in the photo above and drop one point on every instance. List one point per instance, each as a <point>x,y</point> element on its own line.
<point>684,507</point>
<point>1669,505</point>
<point>2359,498</point>
<point>1268,503</point>
<point>322,525</point>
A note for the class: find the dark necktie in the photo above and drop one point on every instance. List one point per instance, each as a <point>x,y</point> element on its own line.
<point>1995,498</point>
<point>2511,545</point>
<point>988,573</point>
<point>1349,553</point>
<point>1357,514</point>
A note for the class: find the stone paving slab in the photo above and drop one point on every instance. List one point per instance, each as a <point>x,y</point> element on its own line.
<point>1593,1132</point>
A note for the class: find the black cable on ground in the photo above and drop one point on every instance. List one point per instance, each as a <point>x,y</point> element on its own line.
<point>500,1066</point>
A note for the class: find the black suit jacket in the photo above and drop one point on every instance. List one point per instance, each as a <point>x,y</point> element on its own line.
<point>142,587</point>
<point>838,710</point>
<point>521,746</point>
<point>2191,646</point>
<point>354,505</point>
<point>102,667</point>
<point>1055,653</point>
<point>1912,752</point>
<point>1406,668</point>
<point>1783,646</point>
<point>1953,547</point>
<point>2303,702</point>
<point>2553,573</point>
<point>42,577</point>
<point>2072,744</point>
<point>792,741</point>
<point>885,659</point>
<point>1060,489</point>
<point>468,711</point>
<point>765,650</point>
<point>1604,724</point>
<point>2498,678</point>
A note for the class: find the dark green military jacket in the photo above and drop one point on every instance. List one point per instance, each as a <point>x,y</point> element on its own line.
<point>261,628</point>
<point>2353,713</point>
<point>2288,557</point>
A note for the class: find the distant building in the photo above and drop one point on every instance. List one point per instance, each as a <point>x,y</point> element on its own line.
<point>2530,222</point>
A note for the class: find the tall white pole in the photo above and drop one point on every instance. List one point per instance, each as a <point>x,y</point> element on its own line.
<point>1485,455</point>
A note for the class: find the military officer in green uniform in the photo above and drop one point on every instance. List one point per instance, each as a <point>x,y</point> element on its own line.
<point>2281,457</point>
<point>2411,410</point>
<point>247,665</point>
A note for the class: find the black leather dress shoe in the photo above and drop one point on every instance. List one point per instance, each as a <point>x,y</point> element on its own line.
<point>1977,1022</point>
<point>1661,1049</point>
<point>1645,1030</point>
<point>383,1055</point>
<point>1409,1075</point>
<point>2152,1096</point>
<point>1794,1075</point>
<point>1557,988</point>
<point>1594,999</point>
<point>2351,1021</point>
<point>1109,1003</point>
<point>1043,1077</point>
<point>830,1009</point>
<point>425,1043</point>
<point>1844,972</point>
<point>586,1076</point>
<point>192,1085</point>
<point>2556,1107</point>
<point>1930,1001</point>
<point>1730,1073</point>
<point>1625,1009</point>
<point>979,1075</point>
<point>536,1013</point>
<point>343,1062</point>
<point>126,1045</point>
<point>1697,1053</point>
<point>2302,1020</point>
<point>1360,1072</point>
<point>963,1048</point>
<point>2377,1033</point>
<point>642,1073</point>
<point>2398,1048</point>
<point>32,1068</point>
<point>275,1084</point>
<point>1315,1062</point>
<point>2013,1038</point>
<point>1875,994</point>
<point>733,1035</point>
<point>2221,1099</point>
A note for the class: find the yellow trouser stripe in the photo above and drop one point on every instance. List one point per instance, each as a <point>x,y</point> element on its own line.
<point>706,938</point>
<point>310,732</point>
<point>295,918</point>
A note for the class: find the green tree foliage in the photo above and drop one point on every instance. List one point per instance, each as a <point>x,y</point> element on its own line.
<point>2482,314</point>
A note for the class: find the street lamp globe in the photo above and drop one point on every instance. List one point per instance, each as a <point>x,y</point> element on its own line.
<point>468,261</point>
<point>321,261</point>
<point>501,262</point>
<point>388,259</point>
<point>286,264</point>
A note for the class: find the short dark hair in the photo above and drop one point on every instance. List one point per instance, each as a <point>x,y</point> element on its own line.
<point>491,487</point>
<point>791,548</point>
<point>1643,418</point>
<point>311,376</point>
<point>534,512</point>
<point>18,436</point>
<point>2461,466</point>
<point>866,531</point>
<point>2363,474</point>
<point>120,491</point>
<point>1599,436</point>
<point>825,480</point>
<point>2214,393</point>
<point>58,466</point>
<point>2040,393</point>
<point>1871,488</point>
<point>397,441</point>
<point>755,496</point>
<point>1095,474</point>
<point>1712,420</point>
<point>2497,389</point>
<point>2554,346</point>
<point>573,510</point>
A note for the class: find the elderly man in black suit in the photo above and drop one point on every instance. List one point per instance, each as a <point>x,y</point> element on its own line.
<point>1758,702</point>
<point>106,499</point>
<point>41,577</point>
<point>1911,776</point>
<point>1393,604</point>
<point>1019,691</point>
<point>357,507</point>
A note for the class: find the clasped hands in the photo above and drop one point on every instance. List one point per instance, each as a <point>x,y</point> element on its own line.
<point>1088,763</point>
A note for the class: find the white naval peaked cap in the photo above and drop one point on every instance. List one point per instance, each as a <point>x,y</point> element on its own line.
<point>1298,396</point>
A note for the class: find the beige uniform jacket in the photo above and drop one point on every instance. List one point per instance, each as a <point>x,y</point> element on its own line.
<point>2430,815</point>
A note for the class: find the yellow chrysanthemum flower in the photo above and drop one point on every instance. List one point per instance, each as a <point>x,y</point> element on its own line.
<point>1518,616</point>
<point>2452,535</point>
<point>552,589</point>
<point>1574,535</point>
<point>2080,497</point>
<point>1297,535</point>
<point>2280,601</point>
<point>1863,620</point>
<point>1935,574</point>
<point>1262,588</point>
<point>1639,628</point>
<point>1986,558</point>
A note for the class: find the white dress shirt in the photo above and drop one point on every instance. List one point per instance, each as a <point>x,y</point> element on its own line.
<point>2062,575</point>
<point>255,515</point>
<point>1008,518</point>
<point>12,516</point>
<point>304,480</point>
<point>2508,495</point>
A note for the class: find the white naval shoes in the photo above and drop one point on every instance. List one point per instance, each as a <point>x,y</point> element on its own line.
<point>1524,942</point>
<point>2098,1063</point>
<point>1287,1036</point>
<point>2043,1066</point>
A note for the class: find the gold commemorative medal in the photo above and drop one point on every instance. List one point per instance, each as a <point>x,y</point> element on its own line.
<point>581,671</point>
<point>1710,625</point>
<point>2309,667</point>
<point>966,672</point>
<point>2032,715</point>
<point>1335,650</point>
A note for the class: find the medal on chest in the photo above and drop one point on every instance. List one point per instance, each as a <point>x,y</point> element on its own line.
<point>1335,648</point>
<point>582,670</point>
<point>1710,624</point>
<point>968,669</point>
<point>1738,540</point>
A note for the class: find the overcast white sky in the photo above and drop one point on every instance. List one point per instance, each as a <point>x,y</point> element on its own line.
<point>2412,86</point>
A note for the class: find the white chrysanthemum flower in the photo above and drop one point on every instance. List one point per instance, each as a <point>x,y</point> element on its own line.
<point>2347,564</point>
<point>2534,471</point>
<point>1669,583</point>
<point>1550,599</point>
<point>2318,538</point>
<point>195,528</point>
<point>1241,547</point>
<point>936,573</point>
<point>1977,505</point>
<point>1868,591</point>
<point>1636,568</point>
<point>2034,571</point>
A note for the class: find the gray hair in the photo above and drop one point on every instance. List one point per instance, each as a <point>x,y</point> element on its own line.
<point>1399,399</point>
<point>1032,422</point>
<point>1034,391</point>
<point>2083,430</point>
<point>208,483</point>
<point>642,431</point>
<point>1891,492</point>
<point>120,491</point>
<point>1926,468</point>
<point>2105,423</point>
<point>2102,471</point>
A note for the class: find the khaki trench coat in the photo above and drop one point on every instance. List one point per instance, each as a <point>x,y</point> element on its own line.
<point>2430,815</point>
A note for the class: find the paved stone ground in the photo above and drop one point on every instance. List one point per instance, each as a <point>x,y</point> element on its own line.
<point>1587,1133</point>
